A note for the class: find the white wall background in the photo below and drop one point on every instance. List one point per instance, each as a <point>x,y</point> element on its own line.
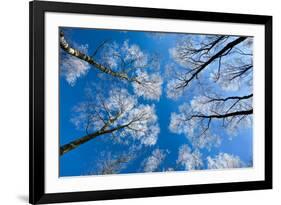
<point>14,100</point>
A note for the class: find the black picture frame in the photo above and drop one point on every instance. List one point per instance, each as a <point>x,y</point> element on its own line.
<point>37,9</point>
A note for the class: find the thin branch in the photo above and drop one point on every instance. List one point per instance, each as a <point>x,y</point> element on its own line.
<point>237,113</point>
<point>231,98</point>
<point>98,48</point>
<point>220,53</point>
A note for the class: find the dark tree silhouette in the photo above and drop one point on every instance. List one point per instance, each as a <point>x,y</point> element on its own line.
<point>228,59</point>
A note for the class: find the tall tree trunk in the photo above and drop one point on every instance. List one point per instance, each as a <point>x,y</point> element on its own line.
<point>75,143</point>
<point>76,53</point>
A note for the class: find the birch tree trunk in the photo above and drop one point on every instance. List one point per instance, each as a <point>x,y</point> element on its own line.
<point>76,143</point>
<point>76,53</point>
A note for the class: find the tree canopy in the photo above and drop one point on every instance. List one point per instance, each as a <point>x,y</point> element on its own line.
<point>136,101</point>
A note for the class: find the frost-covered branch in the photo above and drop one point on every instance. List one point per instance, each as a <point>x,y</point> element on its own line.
<point>195,119</point>
<point>191,160</point>
<point>118,114</point>
<point>124,62</point>
<point>153,162</point>
<point>226,60</point>
<point>111,164</point>
<point>224,161</point>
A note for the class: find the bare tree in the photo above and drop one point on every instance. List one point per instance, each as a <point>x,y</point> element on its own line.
<point>225,161</point>
<point>218,70</point>
<point>193,160</point>
<point>223,60</point>
<point>119,114</point>
<point>113,164</point>
<point>152,163</point>
<point>127,63</point>
<point>190,159</point>
<point>195,118</point>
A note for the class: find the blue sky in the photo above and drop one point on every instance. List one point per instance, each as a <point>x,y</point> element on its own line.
<point>84,159</point>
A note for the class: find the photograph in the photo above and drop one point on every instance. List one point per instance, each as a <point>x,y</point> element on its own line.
<point>135,102</point>
<point>132,102</point>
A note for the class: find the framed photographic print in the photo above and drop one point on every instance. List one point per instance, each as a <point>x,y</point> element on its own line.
<point>140,102</point>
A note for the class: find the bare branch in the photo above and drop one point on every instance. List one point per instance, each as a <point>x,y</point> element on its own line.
<point>220,53</point>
